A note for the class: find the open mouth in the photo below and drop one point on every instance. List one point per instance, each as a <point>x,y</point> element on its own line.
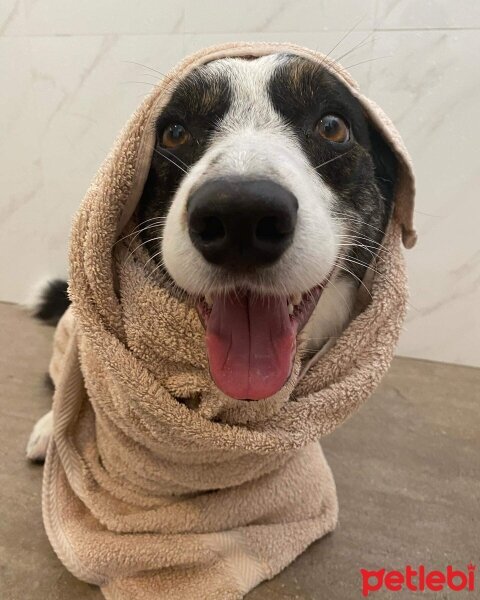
<point>252,339</point>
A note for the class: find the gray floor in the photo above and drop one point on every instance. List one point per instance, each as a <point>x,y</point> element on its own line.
<point>406,466</point>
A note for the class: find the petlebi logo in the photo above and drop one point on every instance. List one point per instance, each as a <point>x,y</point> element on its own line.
<point>419,579</point>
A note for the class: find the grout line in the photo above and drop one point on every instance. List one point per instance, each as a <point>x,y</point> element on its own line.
<point>452,28</point>
<point>237,33</point>
<point>80,35</point>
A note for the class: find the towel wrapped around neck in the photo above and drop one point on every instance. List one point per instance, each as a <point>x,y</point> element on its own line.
<point>157,485</point>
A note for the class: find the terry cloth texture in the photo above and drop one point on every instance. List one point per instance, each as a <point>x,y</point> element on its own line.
<point>156,485</point>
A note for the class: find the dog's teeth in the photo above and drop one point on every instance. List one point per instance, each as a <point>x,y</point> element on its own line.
<point>209,300</point>
<point>290,308</point>
<point>296,299</point>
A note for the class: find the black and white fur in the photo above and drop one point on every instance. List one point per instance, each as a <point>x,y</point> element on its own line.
<point>256,119</point>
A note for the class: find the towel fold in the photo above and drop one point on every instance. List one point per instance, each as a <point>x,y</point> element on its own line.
<point>156,484</point>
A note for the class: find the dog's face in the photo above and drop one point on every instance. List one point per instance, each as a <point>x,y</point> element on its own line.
<point>267,199</point>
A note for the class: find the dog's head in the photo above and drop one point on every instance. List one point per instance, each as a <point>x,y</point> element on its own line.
<point>268,188</point>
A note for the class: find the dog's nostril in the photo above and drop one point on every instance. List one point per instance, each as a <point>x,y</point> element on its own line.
<point>269,229</point>
<point>211,230</point>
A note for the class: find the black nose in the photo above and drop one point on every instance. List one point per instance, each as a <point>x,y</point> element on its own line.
<point>242,223</point>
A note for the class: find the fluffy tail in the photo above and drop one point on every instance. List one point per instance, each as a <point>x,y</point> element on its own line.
<point>53,302</point>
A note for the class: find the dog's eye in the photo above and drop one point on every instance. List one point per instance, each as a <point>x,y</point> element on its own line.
<point>333,129</point>
<point>174,135</point>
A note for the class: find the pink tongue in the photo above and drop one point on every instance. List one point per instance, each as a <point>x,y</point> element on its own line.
<point>251,343</point>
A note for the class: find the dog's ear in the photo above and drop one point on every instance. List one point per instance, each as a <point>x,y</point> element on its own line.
<point>386,165</point>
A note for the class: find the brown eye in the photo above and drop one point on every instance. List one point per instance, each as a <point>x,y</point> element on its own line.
<point>175,135</point>
<point>333,129</point>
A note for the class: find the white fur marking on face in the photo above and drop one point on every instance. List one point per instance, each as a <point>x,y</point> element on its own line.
<point>254,141</point>
<point>331,314</point>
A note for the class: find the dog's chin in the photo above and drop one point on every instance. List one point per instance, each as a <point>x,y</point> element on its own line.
<point>251,339</point>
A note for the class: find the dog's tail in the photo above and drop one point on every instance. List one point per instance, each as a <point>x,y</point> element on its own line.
<point>52,302</point>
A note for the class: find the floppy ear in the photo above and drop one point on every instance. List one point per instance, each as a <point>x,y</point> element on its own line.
<point>386,165</point>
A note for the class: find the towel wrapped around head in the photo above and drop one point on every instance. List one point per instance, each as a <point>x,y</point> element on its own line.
<point>156,484</point>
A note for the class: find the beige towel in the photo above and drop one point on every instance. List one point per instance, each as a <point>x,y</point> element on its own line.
<point>156,485</point>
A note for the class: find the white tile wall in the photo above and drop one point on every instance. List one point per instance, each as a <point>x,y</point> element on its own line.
<point>279,16</point>
<point>104,17</point>
<point>434,102</point>
<point>427,14</point>
<point>69,80</point>
<point>12,18</point>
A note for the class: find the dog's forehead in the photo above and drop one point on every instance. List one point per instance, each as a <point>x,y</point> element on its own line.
<point>269,83</point>
<point>219,85</point>
<point>249,68</point>
<point>297,72</point>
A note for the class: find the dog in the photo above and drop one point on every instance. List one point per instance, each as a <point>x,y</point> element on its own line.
<point>266,202</point>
